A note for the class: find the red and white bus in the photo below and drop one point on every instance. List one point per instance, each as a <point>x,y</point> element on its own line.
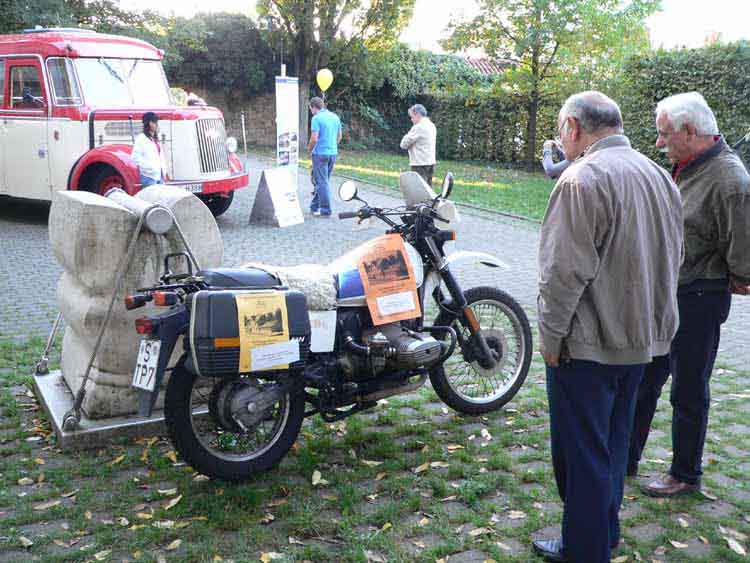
<point>71,103</point>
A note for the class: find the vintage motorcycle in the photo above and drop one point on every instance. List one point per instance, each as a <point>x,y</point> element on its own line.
<point>236,397</point>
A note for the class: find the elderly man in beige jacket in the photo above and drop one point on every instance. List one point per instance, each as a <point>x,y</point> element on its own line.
<point>609,258</point>
<point>420,142</point>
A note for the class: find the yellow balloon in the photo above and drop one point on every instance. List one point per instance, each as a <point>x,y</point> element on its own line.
<point>325,79</point>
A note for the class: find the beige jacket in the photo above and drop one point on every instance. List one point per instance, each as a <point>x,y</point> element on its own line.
<point>420,142</point>
<point>609,258</point>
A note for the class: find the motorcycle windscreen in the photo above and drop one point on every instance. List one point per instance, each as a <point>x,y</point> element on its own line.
<point>350,280</point>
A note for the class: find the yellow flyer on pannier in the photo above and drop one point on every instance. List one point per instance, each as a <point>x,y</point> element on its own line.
<point>389,281</point>
<point>264,332</point>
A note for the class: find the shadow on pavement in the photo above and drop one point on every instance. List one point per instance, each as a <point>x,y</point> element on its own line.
<point>26,211</point>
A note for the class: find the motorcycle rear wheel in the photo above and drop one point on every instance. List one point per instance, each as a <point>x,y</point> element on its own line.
<point>220,452</point>
<point>466,386</point>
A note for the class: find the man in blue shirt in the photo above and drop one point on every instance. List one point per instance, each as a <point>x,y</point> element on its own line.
<point>325,134</point>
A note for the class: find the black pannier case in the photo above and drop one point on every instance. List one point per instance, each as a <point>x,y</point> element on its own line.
<point>214,330</point>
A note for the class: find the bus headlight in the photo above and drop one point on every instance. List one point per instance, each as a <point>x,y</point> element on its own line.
<point>231,144</point>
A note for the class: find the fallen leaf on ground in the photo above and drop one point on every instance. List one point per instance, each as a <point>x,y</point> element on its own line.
<point>25,481</point>
<point>486,434</point>
<point>735,546</point>
<point>374,557</point>
<point>422,468</point>
<point>174,545</point>
<point>88,515</point>
<point>200,478</point>
<point>270,556</point>
<point>295,541</point>
<point>47,505</point>
<point>329,496</point>
<point>172,502</point>
<point>419,544</point>
<point>504,547</point>
<point>317,479</point>
<point>102,555</point>
<point>117,460</point>
<point>733,533</point>
<point>439,464</point>
<point>26,542</point>
<point>708,495</point>
<point>479,532</point>
<point>387,526</point>
<point>124,522</point>
<point>454,447</point>
<point>144,515</point>
<point>167,492</point>
<point>678,545</point>
<point>277,502</point>
<point>71,493</point>
<point>704,539</point>
<point>682,522</point>
<point>164,524</point>
<point>446,499</point>
<point>39,461</point>
<point>370,463</point>
<point>620,559</point>
<point>372,497</point>
<point>516,514</point>
<point>380,476</point>
<point>423,522</point>
<point>171,455</point>
<point>267,519</point>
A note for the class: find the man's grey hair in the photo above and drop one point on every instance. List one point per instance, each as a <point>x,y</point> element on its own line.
<point>594,111</point>
<point>418,109</point>
<point>689,107</point>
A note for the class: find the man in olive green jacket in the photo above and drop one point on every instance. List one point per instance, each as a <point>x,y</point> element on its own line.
<point>715,189</point>
<point>609,256</point>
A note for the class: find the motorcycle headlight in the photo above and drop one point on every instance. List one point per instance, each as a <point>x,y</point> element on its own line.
<point>231,144</point>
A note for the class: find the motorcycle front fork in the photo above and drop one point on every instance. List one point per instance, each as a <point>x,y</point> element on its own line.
<point>456,304</point>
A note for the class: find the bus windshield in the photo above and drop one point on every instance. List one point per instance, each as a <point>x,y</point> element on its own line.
<point>122,82</point>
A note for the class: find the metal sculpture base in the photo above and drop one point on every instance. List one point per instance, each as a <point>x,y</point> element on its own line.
<point>57,400</point>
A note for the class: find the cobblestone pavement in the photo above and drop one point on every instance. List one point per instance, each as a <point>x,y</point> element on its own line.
<point>29,273</point>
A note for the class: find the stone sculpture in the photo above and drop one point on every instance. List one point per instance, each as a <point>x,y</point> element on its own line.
<point>89,235</point>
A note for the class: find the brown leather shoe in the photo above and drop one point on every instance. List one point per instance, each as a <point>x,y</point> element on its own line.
<point>668,486</point>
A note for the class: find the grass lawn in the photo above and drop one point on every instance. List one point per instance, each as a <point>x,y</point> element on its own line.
<point>481,184</point>
<point>409,481</point>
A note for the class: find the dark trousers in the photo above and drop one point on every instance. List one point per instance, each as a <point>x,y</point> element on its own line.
<point>690,361</point>
<point>425,171</point>
<point>591,413</point>
<point>322,169</point>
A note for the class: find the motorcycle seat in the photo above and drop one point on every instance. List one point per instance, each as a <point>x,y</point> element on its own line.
<point>240,277</point>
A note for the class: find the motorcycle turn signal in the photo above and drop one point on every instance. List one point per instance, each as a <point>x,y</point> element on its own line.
<point>164,298</point>
<point>136,301</point>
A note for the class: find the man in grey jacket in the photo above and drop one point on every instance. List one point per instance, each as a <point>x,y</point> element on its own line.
<point>609,257</point>
<point>715,189</point>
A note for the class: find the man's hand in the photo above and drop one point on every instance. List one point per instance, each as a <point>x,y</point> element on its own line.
<point>549,358</point>
<point>737,287</point>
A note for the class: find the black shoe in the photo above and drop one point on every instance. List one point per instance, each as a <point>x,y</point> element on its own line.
<point>551,550</point>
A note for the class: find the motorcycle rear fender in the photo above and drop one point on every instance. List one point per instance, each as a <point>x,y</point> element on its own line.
<point>463,258</point>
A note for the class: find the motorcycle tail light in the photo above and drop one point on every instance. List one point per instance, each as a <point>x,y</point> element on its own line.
<point>144,325</point>
<point>135,301</point>
<point>164,298</point>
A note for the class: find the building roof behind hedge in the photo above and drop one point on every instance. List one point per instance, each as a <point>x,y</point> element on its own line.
<point>487,67</point>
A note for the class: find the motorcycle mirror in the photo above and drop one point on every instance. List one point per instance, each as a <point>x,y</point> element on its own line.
<point>447,185</point>
<point>348,191</point>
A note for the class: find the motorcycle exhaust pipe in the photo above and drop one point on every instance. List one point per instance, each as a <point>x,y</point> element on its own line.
<point>383,393</point>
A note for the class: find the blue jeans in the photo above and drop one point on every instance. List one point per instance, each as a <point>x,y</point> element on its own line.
<point>147,181</point>
<point>591,413</point>
<point>322,170</point>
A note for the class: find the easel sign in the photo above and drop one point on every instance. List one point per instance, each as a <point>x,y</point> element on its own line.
<point>277,202</point>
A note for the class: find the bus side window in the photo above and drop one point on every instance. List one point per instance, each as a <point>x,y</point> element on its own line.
<point>2,84</point>
<point>26,88</point>
<point>64,85</point>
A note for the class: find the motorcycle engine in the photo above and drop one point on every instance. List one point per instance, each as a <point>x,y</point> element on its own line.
<point>392,346</point>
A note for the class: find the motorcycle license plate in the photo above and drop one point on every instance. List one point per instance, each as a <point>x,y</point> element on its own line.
<point>193,188</point>
<point>144,376</point>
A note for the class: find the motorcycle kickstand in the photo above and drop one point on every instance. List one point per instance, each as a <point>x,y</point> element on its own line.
<point>42,366</point>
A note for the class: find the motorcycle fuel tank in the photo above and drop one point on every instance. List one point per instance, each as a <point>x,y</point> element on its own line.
<point>351,292</point>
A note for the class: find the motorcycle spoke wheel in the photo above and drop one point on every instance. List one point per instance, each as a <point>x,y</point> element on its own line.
<point>461,381</point>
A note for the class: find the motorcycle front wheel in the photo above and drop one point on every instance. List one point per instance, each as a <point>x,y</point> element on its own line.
<point>461,382</point>
<point>218,447</point>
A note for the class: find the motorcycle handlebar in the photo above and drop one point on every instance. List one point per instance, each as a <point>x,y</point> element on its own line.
<point>348,214</point>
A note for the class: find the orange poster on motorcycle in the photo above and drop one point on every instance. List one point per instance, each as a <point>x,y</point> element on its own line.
<point>389,281</point>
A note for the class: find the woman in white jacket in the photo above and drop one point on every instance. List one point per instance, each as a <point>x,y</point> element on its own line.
<point>148,153</point>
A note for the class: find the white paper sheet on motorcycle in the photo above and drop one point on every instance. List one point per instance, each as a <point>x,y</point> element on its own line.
<point>241,331</point>
<point>389,282</point>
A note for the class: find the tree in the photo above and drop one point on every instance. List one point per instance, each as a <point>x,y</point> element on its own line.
<point>555,46</point>
<point>316,28</point>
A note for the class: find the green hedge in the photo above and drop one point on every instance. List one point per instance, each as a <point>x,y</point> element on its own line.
<point>721,73</point>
